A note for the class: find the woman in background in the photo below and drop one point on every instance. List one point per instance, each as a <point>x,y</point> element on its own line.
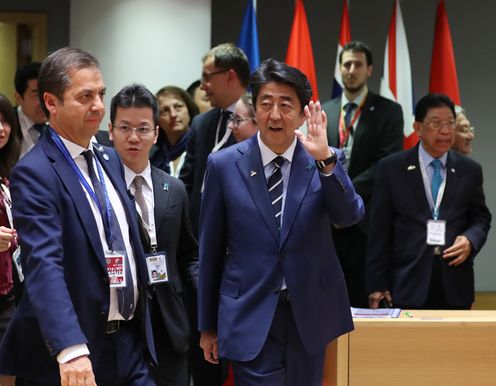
<point>242,122</point>
<point>10,148</point>
<point>176,109</point>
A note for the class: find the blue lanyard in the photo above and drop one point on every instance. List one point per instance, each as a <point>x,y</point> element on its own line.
<point>89,189</point>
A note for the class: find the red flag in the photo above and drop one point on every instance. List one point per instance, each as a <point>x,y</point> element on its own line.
<point>300,53</point>
<point>443,68</point>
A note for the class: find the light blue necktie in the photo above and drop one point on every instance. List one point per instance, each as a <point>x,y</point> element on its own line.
<point>437,179</point>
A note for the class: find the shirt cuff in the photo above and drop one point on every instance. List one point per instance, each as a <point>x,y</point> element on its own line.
<point>72,352</point>
<point>325,174</point>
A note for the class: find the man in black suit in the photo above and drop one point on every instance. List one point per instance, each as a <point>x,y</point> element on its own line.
<point>30,116</point>
<point>429,218</point>
<point>367,127</point>
<point>162,205</point>
<point>225,77</point>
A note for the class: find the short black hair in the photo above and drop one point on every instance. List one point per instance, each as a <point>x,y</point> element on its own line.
<point>54,76</point>
<point>272,70</point>
<point>24,74</point>
<point>357,46</point>
<point>134,95</point>
<point>228,56</point>
<point>431,101</point>
<point>192,87</point>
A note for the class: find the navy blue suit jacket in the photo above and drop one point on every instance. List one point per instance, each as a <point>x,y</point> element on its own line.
<point>66,299</point>
<point>398,258</point>
<point>243,258</point>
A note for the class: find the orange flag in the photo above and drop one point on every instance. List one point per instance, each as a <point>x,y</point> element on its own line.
<point>443,68</point>
<point>300,53</point>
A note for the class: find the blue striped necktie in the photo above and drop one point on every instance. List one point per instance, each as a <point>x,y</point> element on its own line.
<point>275,186</point>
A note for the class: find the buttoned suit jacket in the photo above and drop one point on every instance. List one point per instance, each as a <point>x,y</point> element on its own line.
<point>66,297</point>
<point>398,258</point>
<point>174,236</point>
<point>243,258</point>
<point>200,145</point>
<point>379,132</point>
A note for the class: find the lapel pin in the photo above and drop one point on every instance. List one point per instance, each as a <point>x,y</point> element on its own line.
<point>411,167</point>
<point>166,186</point>
<point>372,108</point>
<point>452,170</point>
<point>253,173</point>
<point>105,157</point>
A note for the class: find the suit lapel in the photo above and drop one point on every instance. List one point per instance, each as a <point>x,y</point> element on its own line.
<point>71,182</point>
<point>252,172</point>
<point>160,197</point>
<point>451,184</point>
<point>302,170</point>
<point>415,180</point>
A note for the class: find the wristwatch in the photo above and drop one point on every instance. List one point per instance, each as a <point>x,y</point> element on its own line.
<point>332,159</point>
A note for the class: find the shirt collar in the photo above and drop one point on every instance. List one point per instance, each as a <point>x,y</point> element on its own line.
<point>358,100</point>
<point>26,121</point>
<point>268,155</point>
<point>146,174</point>
<point>427,158</point>
<point>73,148</point>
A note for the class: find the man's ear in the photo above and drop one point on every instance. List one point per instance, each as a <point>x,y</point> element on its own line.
<point>111,131</point>
<point>18,98</point>
<point>51,102</point>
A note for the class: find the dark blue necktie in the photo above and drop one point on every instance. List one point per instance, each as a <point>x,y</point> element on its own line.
<point>348,108</point>
<point>125,295</point>
<point>437,179</point>
<point>275,186</point>
<point>39,127</point>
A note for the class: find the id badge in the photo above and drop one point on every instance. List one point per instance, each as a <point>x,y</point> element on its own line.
<point>116,268</point>
<point>156,264</point>
<point>436,232</point>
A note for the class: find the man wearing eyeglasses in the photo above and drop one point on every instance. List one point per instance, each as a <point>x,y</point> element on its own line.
<point>428,219</point>
<point>225,77</point>
<point>162,205</point>
<point>464,133</point>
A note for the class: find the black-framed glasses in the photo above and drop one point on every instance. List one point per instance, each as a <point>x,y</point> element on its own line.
<point>236,120</point>
<point>142,131</point>
<point>205,77</point>
<point>437,125</point>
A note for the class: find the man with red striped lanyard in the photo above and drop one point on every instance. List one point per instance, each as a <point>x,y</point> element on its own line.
<point>367,127</point>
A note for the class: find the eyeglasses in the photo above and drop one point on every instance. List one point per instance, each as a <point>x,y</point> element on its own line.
<point>236,120</point>
<point>142,131</point>
<point>437,125</point>
<point>205,77</point>
<point>465,129</point>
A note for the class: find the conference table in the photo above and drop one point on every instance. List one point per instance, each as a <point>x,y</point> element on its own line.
<point>419,348</point>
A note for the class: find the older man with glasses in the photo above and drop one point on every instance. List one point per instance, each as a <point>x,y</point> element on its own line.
<point>428,218</point>
<point>464,132</point>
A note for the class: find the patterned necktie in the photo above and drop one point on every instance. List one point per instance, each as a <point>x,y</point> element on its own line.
<point>275,187</point>
<point>125,295</point>
<point>437,179</point>
<point>224,116</point>
<point>348,108</point>
<point>140,198</point>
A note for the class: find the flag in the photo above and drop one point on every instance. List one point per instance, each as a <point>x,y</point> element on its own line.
<point>443,69</point>
<point>300,54</point>
<point>344,37</point>
<point>248,37</point>
<point>396,82</point>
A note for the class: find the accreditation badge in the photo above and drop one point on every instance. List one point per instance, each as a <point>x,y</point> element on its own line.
<point>156,264</point>
<point>116,268</point>
<point>436,232</point>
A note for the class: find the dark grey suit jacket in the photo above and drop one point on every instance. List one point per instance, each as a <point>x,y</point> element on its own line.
<point>379,133</point>
<point>200,144</point>
<point>174,236</point>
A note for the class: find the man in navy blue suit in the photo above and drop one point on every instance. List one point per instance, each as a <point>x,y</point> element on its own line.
<point>429,218</point>
<point>83,318</point>
<point>271,291</point>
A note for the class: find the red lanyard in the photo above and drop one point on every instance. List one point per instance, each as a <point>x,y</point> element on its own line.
<point>344,132</point>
